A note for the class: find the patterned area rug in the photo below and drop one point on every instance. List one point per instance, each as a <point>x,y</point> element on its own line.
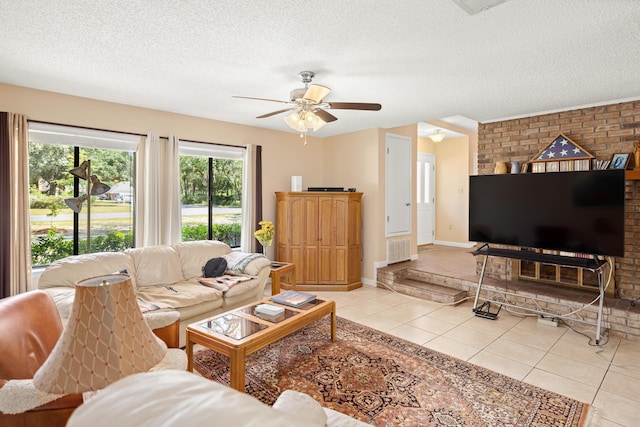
<point>387,381</point>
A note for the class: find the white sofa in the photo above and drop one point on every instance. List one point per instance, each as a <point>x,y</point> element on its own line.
<point>177,398</point>
<point>164,276</point>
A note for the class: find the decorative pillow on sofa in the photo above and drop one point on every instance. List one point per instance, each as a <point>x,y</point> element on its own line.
<point>301,406</point>
<point>215,267</point>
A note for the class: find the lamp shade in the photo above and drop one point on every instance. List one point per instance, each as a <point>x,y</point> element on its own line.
<point>312,121</point>
<point>105,339</point>
<point>295,121</point>
<point>75,203</point>
<point>303,121</point>
<point>98,187</point>
<point>80,171</point>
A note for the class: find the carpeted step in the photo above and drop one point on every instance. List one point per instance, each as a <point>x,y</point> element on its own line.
<point>429,291</point>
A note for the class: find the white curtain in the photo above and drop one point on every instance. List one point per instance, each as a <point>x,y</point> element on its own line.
<point>158,216</point>
<point>20,229</point>
<point>248,242</point>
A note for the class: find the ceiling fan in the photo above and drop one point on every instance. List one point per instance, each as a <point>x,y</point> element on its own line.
<point>307,108</point>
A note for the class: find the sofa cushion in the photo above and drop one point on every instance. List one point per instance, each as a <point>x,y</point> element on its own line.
<point>179,294</point>
<point>63,296</point>
<point>241,288</point>
<point>70,270</point>
<point>169,398</point>
<point>194,255</point>
<point>156,265</point>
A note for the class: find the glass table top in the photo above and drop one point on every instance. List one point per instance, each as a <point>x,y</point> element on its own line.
<point>233,326</point>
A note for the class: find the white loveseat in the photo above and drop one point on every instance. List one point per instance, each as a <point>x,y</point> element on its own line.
<point>165,278</point>
<point>178,398</point>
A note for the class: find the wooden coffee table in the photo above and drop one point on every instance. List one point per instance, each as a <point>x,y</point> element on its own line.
<point>240,332</point>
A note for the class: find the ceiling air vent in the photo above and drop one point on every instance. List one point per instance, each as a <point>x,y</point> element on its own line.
<point>476,6</point>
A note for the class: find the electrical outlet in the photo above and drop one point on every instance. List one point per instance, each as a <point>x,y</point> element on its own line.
<point>548,321</point>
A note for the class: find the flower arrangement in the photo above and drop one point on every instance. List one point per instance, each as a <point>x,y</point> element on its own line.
<point>264,234</point>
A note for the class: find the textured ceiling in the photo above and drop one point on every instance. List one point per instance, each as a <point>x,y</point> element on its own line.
<point>421,59</point>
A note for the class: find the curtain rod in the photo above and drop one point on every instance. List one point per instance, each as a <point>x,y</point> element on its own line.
<point>134,133</point>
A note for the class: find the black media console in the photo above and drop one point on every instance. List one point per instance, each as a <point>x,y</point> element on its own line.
<point>593,263</point>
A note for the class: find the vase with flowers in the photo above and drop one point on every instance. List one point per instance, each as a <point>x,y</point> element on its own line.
<point>264,235</point>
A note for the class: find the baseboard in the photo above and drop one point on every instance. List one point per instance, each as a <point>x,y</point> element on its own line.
<point>454,244</point>
<point>376,266</point>
<point>368,282</point>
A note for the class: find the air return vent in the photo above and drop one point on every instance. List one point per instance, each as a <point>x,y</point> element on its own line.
<point>398,250</point>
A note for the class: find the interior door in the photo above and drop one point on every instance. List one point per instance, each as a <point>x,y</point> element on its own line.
<point>426,198</point>
<point>398,185</point>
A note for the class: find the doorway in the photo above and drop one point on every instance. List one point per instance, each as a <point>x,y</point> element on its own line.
<point>426,198</point>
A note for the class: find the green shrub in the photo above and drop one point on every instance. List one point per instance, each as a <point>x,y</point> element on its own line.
<point>50,247</point>
<point>194,232</point>
<point>228,233</point>
<point>113,242</point>
<point>53,246</point>
<point>45,202</point>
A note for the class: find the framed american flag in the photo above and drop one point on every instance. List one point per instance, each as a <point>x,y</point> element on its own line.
<point>561,155</point>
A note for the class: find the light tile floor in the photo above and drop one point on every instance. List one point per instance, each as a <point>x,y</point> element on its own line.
<point>555,358</point>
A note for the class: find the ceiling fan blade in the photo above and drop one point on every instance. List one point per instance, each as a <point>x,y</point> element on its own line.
<point>262,99</point>
<point>325,115</point>
<point>273,113</point>
<point>315,93</point>
<point>354,106</point>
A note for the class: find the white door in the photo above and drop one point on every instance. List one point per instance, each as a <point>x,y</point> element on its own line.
<point>426,198</point>
<point>398,185</point>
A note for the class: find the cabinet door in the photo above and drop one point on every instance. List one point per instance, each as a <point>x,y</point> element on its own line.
<point>295,232</point>
<point>354,231</point>
<point>333,239</point>
<point>282,226</point>
<point>309,229</point>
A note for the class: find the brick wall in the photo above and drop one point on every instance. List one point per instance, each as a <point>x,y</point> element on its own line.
<point>602,131</point>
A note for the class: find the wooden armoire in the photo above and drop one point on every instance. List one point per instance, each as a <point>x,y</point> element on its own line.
<point>321,233</point>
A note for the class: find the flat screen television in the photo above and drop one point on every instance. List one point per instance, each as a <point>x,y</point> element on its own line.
<point>564,211</point>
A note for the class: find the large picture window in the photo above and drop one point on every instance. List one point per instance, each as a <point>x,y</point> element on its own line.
<point>65,220</point>
<point>211,192</point>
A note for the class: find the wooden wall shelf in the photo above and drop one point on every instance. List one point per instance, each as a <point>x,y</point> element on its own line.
<point>632,175</point>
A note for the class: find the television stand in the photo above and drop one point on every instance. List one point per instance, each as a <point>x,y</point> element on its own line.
<point>594,264</point>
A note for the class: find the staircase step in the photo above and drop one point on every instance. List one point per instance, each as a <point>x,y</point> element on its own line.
<point>429,291</point>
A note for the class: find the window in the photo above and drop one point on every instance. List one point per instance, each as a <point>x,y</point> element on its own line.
<point>211,192</point>
<point>64,220</point>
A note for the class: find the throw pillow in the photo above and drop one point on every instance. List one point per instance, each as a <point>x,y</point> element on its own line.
<point>214,267</point>
<point>302,406</point>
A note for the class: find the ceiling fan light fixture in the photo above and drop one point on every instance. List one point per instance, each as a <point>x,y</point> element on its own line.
<point>438,136</point>
<point>304,121</point>
<point>295,121</point>
<point>314,122</point>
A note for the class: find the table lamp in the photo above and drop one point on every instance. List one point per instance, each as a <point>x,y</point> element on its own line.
<point>105,339</point>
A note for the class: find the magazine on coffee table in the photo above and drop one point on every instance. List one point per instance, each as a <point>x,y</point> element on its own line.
<point>293,298</point>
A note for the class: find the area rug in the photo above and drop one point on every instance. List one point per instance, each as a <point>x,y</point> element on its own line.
<point>386,381</point>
